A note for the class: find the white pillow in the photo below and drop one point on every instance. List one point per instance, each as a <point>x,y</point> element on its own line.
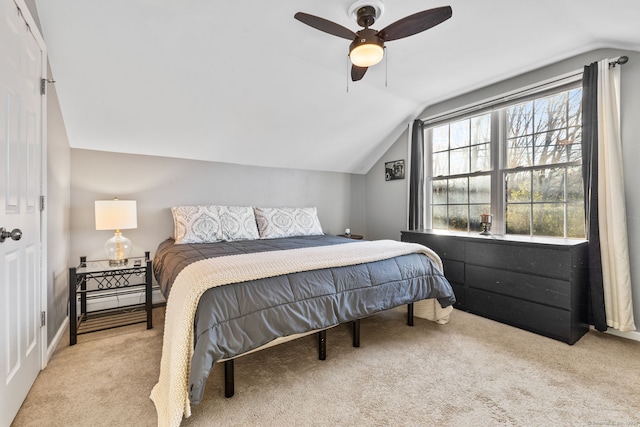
<point>287,222</point>
<point>196,224</point>
<point>238,223</point>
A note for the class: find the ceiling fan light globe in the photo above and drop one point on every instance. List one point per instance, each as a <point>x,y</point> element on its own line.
<point>366,55</point>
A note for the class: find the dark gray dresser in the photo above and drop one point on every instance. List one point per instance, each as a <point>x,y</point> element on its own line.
<point>539,285</point>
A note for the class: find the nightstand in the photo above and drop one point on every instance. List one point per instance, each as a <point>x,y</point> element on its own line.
<point>94,280</point>
<point>351,236</point>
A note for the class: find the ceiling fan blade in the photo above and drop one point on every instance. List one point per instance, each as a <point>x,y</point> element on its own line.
<point>325,25</point>
<point>416,23</point>
<point>357,73</point>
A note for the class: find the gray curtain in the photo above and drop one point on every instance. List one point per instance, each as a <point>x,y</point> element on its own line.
<point>596,311</point>
<point>416,177</point>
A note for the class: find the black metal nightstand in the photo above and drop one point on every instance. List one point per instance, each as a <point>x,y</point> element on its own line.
<point>351,236</point>
<point>97,279</point>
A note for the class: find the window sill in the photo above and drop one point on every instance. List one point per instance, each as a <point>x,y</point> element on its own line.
<point>503,237</point>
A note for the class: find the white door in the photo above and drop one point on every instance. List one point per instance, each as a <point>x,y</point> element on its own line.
<point>20,187</point>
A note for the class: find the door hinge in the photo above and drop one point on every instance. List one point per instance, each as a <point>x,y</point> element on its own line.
<point>41,203</point>
<point>43,318</point>
<point>43,85</point>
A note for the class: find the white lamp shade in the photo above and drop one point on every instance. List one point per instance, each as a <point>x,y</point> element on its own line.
<point>116,214</point>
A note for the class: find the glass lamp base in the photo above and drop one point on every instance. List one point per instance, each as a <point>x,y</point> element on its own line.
<point>118,248</point>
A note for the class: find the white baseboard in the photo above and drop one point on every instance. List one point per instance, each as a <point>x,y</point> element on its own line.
<point>631,335</point>
<point>56,340</point>
<point>121,300</point>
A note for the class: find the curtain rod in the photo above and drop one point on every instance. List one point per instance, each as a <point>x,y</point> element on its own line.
<point>555,82</point>
<point>489,103</point>
<point>621,60</point>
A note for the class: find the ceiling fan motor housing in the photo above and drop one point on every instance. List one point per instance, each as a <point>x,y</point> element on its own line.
<point>369,48</point>
<point>366,36</point>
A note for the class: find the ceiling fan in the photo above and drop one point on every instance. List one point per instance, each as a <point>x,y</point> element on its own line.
<point>367,46</point>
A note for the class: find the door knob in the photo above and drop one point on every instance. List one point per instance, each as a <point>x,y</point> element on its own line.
<point>15,234</point>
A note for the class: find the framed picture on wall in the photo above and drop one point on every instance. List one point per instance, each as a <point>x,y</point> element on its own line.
<point>394,170</point>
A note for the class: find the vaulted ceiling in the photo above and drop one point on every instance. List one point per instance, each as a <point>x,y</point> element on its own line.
<point>244,82</point>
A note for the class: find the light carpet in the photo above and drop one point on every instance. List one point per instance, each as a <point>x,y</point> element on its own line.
<point>470,372</point>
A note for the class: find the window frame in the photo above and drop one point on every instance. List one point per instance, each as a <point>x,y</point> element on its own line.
<point>498,149</point>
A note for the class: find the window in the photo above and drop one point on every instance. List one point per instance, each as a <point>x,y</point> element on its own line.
<point>461,171</point>
<point>521,162</point>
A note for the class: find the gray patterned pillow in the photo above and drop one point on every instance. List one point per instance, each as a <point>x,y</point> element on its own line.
<point>238,223</point>
<point>287,222</point>
<point>196,224</point>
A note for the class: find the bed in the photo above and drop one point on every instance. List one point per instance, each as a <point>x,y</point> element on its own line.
<point>230,297</point>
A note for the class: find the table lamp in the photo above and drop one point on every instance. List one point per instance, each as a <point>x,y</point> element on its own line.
<point>116,215</point>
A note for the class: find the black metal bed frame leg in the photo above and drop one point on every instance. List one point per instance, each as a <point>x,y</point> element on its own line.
<point>322,344</point>
<point>356,333</point>
<point>229,388</point>
<point>410,314</point>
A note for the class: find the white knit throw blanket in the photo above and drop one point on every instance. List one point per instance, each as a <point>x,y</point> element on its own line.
<point>170,394</point>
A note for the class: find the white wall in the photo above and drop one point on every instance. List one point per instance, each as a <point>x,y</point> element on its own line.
<point>157,183</point>
<point>386,204</point>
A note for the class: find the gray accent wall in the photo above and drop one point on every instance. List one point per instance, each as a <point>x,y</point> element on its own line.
<point>157,183</point>
<point>58,219</point>
<point>57,191</point>
<point>386,202</point>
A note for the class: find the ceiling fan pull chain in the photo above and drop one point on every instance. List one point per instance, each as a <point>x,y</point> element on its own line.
<point>386,67</point>
<point>348,68</point>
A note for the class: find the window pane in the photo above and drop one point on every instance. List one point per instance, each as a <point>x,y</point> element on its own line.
<point>440,164</point>
<point>460,134</point>
<point>575,107</point>
<point>440,138</point>
<point>458,218</point>
<point>550,148</point>
<point>518,219</point>
<point>548,219</point>
<point>458,190</point>
<point>548,185</point>
<point>439,217</point>
<point>474,215</point>
<point>519,152</point>
<point>575,220</point>
<point>480,189</point>
<point>439,192</point>
<point>480,157</point>
<point>518,187</point>
<point>459,161</point>
<point>481,129</point>
<point>550,112</point>
<point>541,115</point>
<point>520,120</point>
<point>575,188</point>
<point>574,141</point>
